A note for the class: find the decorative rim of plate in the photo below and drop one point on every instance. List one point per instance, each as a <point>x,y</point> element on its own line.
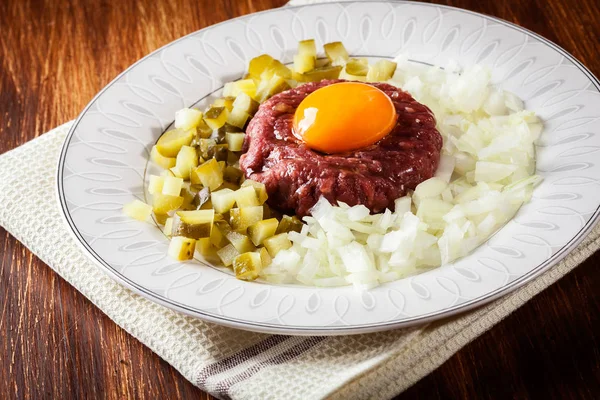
<point>324,330</point>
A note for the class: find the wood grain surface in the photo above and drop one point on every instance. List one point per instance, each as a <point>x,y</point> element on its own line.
<point>55,55</point>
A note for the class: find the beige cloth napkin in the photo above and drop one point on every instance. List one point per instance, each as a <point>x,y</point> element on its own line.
<point>231,363</point>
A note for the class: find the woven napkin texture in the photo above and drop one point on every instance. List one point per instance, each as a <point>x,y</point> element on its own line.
<point>231,363</point>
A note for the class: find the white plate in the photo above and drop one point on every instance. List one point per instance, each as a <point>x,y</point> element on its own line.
<point>104,160</point>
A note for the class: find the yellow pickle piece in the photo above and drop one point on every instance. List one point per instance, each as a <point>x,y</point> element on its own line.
<point>247,266</point>
<point>182,248</point>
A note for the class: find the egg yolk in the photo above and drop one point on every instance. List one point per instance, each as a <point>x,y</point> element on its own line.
<point>343,117</point>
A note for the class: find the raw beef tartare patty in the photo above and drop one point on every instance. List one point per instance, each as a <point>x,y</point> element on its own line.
<point>296,176</point>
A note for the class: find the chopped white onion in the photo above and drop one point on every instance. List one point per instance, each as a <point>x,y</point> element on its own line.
<point>445,168</point>
<point>358,213</point>
<point>495,103</point>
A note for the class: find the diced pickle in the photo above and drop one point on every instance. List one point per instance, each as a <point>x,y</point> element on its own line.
<point>382,70</point>
<point>160,160</point>
<point>232,175</point>
<point>219,217</point>
<point>242,218</point>
<point>167,173</point>
<point>275,68</point>
<point>223,200</point>
<point>182,248</point>
<point>322,62</point>
<point>265,257</point>
<point>307,48</point>
<point>230,89</point>
<point>304,63</point>
<point>235,219</point>
<point>216,117</point>
<point>210,174</point>
<point>241,242</point>
<point>194,178</point>
<point>259,188</point>
<point>357,67</point>
<point>189,197</point>
<point>220,135</point>
<point>203,131</point>
<point>168,228</point>
<point>234,89</point>
<point>356,78</point>
<point>245,103</point>
<point>187,159</point>
<point>197,216</point>
<point>187,118</point>
<point>247,266</point>
<point>276,243</point>
<point>289,224</point>
<point>228,185</point>
<point>261,230</point>
<point>171,142</point>
<point>259,64</point>
<point>196,187</point>
<point>138,210</point>
<point>207,206</point>
<point>228,128</point>
<point>223,227</point>
<point>163,203</point>
<point>202,197</point>
<point>155,184</point>
<point>161,219</point>
<point>238,117</point>
<point>204,247</point>
<point>292,83</point>
<point>227,254</point>
<point>246,196</point>
<point>175,172</point>
<point>226,102</point>
<point>172,186</point>
<point>217,235</point>
<point>318,74</point>
<point>218,152</point>
<point>348,77</point>
<point>299,79</point>
<point>193,224</point>
<point>233,159</point>
<point>205,148</point>
<point>235,141</point>
<point>269,87</point>
<point>336,53</point>
<point>268,212</point>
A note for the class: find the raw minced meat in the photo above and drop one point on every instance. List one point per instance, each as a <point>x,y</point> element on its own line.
<point>296,176</point>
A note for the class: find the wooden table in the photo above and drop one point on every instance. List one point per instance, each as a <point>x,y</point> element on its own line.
<point>55,56</point>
